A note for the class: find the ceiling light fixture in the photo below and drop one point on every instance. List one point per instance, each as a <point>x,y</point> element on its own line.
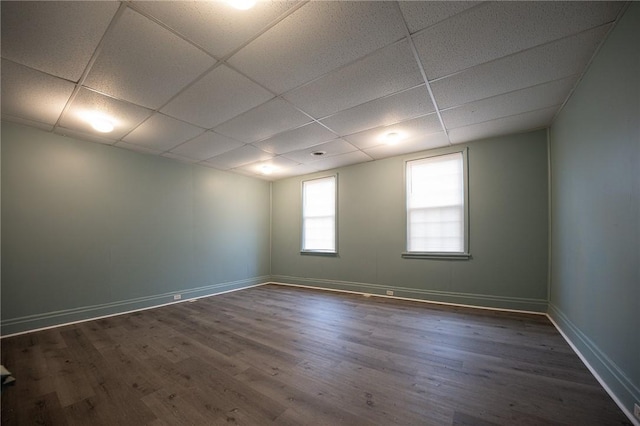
<point>318,153</point>
<point>242,4</point>
<point>266,170</point>
<point>98,121</point>
<point>102,125</point>
<point>393,138</point>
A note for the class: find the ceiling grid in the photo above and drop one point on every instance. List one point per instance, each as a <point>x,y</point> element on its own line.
<point>265,88</point>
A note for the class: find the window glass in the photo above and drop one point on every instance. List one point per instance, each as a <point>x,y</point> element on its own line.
<point>436,211</point>
<point>319,215</point>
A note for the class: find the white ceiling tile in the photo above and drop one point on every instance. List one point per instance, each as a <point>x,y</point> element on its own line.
<point>341,160</point>
<point>529,99</point>
<point>431,141</point>
<point>56,37</point>
<point>162,132</point>
<point>24,121</point>
<point>238,157</point>
<point>207,145</point>
<point>300,138</point>
<point>382,112</point>
<point>542,64</point>
<point>143,63</point>
<point>335,147</point>
<point>423,14</point>
<point>124,116</point>
<point>502,67</point>
<point>300,169</point>
<point>277,166</point>
<point>205,164</point>
<point>91,137</point>
<point>504,126</point>
<point>219,96</point>
<point>498,29</point>
<point>411,131</point>
<point>387,71</point>
<point>32,95</point>
<point>215,26</point>
<point>317,38</point>
<point>244,172</point>
<point>137,148</point>
<point>263,121</point>
<point>179,158</point>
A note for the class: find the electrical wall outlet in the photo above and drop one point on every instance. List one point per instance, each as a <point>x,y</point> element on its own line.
<point>389,292</point>
<point>636,411</point>
<point>177,296</point>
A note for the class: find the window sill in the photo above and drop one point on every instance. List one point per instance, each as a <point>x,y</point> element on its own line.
<point>441,256</point>
<point>319,253</point>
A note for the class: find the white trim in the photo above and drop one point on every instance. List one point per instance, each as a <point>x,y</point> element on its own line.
<point>333,252</point>
<point>604,385</point>
<point>566,338</point>
<point>438,152</point>
<point>549,214</point>
<point>320,253</point>
<point>593,371</point>
<point>129,312</point>
<point>409,299</point>
<point>435,255</point>
<point>270,226</point>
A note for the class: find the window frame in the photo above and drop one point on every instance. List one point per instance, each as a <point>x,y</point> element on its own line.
<point>466,253</point>
<point>319,252</point>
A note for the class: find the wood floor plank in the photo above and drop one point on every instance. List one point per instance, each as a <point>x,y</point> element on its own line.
<point>293,356</point>
<point>70,381</point>
<point>46,410</point>
<point>108,384</point>
<point>306,405</point>
<point>131,371</point>
<point>174,408</point>
<point>230,364</point>
<point>84,413</point>
<point>231,393</point>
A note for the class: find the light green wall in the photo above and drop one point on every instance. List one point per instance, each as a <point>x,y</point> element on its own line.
<point>91,230</point>
<point>508,231</point>
<point>595,163</point>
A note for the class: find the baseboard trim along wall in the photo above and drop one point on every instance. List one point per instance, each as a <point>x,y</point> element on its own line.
<point>537,306</point>
<point>613,380</point>
<point>26,324</point>
<point>615,383</point>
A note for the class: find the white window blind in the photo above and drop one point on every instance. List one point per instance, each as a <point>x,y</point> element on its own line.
<point>319,215</point>
<point>435,204</point>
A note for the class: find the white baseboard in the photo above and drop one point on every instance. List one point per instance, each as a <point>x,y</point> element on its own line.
<point>634,395</point>
<point>501,303</point>
<point>582,357</point>
<point>48,320</point>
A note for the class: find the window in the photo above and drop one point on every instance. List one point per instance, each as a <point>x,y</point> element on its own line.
<point>437,219</point>
<point>319,215</point>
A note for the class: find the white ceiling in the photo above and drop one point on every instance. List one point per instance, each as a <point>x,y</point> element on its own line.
<point>202,82</point>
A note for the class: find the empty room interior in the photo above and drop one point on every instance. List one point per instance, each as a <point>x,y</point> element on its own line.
<point>320,213</point>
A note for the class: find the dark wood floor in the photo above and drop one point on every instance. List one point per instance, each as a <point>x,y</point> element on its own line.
<point>292,356</point>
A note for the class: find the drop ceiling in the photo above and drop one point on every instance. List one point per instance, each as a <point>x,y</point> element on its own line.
<point>202,82</point>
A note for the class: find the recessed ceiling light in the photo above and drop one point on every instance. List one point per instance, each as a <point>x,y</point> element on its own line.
<point>102,125</point>
<point>393,138</point>
<point>266,170</point>
<point>99,121</point>
<point>242,4</point>
<point>318,153</point>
